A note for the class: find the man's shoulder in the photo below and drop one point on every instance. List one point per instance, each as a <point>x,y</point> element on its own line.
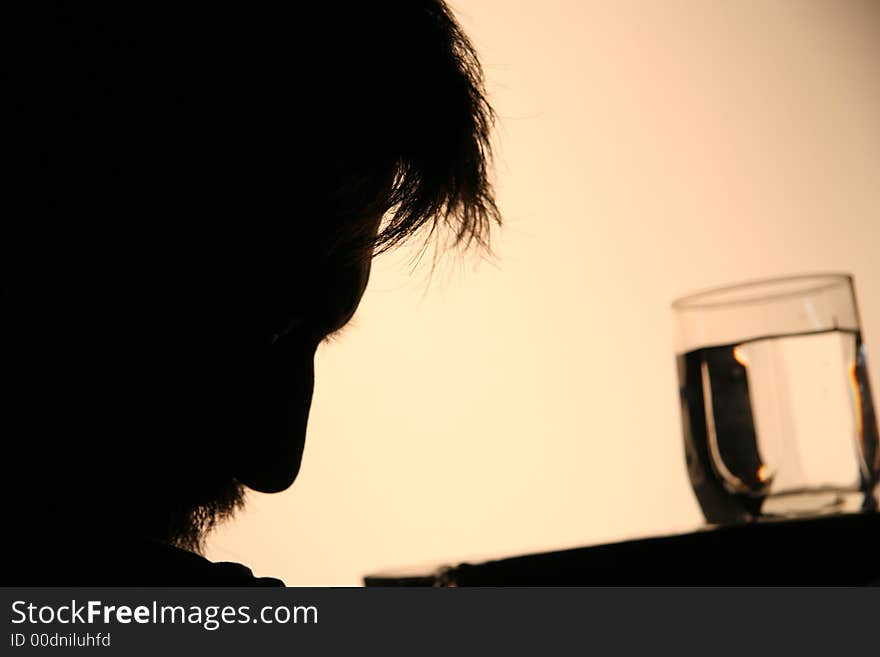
<point>135,562</point>
<point>168,565</point>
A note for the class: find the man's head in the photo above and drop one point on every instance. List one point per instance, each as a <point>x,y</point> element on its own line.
<point>196,203</point>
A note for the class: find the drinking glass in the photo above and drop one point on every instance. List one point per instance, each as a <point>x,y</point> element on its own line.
<point>777,413</point>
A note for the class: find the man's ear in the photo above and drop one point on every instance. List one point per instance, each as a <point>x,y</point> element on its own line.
<point>268,453</point>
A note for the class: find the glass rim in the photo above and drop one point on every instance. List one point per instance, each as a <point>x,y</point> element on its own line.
<point>803,284</point>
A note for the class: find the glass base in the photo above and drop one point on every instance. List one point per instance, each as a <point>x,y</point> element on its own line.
<point>808,502</point>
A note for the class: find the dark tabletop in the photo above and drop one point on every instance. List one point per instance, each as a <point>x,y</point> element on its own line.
<point>833,550</point>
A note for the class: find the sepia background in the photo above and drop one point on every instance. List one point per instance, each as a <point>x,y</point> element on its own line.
<point>529,401</point>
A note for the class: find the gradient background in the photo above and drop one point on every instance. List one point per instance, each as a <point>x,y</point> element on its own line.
<point>645,149</point>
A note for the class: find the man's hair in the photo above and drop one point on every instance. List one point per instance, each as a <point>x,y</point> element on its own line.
<point>149,144</point>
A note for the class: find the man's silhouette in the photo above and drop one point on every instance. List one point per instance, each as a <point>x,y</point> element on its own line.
<point>192,204</point>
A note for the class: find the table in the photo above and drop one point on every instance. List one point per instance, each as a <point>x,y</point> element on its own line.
<point>832,550</point>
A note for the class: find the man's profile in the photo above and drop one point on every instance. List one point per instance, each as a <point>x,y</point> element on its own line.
<point>193,202</point>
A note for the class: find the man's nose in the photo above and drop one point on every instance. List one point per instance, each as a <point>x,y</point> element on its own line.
<point>269,455</point>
